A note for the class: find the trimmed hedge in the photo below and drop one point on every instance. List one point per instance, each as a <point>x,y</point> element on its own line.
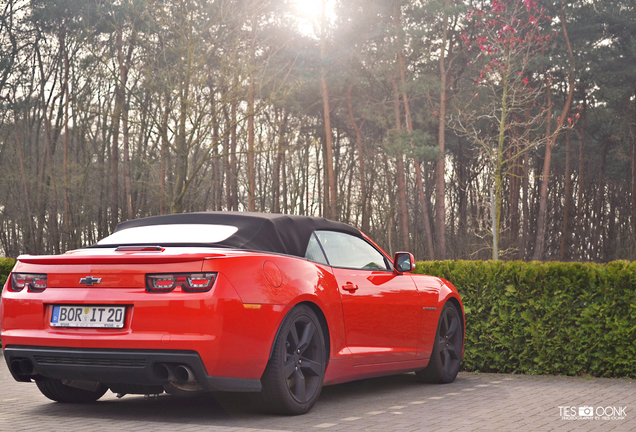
<point>546,318</point>
<point>6,264</point>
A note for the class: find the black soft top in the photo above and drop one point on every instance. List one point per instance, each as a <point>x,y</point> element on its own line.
<point>278,233</point>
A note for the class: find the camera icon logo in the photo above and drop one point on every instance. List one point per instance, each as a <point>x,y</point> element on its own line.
<point>586,411</point>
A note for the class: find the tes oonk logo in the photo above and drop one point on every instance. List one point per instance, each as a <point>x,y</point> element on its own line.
<point>586,412</point>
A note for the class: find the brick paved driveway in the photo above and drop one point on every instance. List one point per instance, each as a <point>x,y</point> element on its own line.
<point>399,403</point>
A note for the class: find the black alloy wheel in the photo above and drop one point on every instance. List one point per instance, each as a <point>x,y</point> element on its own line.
<point>447,350</point>
<point>294,375</point>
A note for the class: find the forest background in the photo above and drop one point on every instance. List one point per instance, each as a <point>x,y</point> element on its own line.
<point>429,124</point>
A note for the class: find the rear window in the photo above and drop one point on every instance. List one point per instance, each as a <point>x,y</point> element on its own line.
<point>170,234</point>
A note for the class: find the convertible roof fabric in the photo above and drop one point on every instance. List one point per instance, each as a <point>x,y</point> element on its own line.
<point>278,233</point>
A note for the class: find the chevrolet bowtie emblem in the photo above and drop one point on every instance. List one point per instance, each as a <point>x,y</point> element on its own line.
<point>90,280</point>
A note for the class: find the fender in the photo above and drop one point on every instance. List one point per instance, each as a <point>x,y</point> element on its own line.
<point>446,293</point>
<point>448,290</point>
<point>434,293</point>
<point>326,327</point>
<point>286,281</point>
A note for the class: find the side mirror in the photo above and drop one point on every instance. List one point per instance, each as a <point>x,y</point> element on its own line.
<point>403,262</point>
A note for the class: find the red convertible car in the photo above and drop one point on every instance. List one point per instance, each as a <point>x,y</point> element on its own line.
<point>276,305</point>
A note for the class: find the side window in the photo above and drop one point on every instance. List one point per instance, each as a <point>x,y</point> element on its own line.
<point>314,251</point>
<point>344,250</point>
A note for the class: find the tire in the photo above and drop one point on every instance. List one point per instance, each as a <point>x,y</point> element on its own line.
<point>293,378</point>
<point>58,392</point>
<point>447,350</point>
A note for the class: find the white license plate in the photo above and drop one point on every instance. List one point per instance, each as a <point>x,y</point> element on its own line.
<point>88,316</point>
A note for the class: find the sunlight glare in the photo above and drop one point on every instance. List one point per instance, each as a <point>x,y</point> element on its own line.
<point>308,15</point>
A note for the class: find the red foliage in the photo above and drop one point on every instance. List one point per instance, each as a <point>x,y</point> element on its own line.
<point>504,32</point>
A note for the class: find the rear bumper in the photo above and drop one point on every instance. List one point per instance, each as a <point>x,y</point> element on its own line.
<point>110,366</point>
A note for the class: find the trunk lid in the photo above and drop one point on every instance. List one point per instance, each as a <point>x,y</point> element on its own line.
<point>111,268</point>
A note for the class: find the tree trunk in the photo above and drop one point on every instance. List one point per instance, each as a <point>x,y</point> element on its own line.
<point>525,207</point>
<point>45,179</point>
<point>233,174</point>
<point>568,192</point>
<point>515,183</point>
<point>181,168</point>
<point>463,175</point>
<point>359,148</point>
<point>126,164</point>
<point>543,192</point>
<point>524,173</point>
<point>551,140</point>
<point>226,160</point>
<point>283,167</point>
<point>30,243</point>
<point>499,167</point>
<point>332,198</point>
<point>217,174</point>
<point>114,156</point>
<point>401,186</point>
<point>279,161</point>
<point>250,149</point>
<point>67,211</point>
<point>251,195</point>
<point>124,66</point>
<point>633,133</point>
<point>599,208</point>
<point>409,126</point>
<point>579,198</point>
<point>276,181</point>
<point>440,166</point>
<point>102,215</point>
<point>164,151</point>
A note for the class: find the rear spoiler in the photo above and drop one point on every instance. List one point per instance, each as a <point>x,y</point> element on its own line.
<point>125,258</point>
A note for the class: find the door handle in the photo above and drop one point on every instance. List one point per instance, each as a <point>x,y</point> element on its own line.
<point>349,287</point>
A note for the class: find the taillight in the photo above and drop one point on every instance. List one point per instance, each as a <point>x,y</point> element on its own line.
<point>32,282</point>
<point>199,282</point>
<point>189,282</point>
<point>161,283</point>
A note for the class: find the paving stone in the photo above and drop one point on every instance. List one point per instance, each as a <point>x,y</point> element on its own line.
<point>492,402</point>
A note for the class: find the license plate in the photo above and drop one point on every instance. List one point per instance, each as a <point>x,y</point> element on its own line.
<point>88,316</point>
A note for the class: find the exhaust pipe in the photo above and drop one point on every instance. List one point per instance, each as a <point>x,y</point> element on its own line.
<point>164,372</point>
<point>15,367</point>
<point>22,367</point>
<point>184,374</point>
<point>26,367</point>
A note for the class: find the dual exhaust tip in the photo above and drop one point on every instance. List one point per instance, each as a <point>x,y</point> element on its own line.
<point>171,372</point>
<point>22,367</point>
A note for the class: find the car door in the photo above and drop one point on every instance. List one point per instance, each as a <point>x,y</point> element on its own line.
<point>381,309</point>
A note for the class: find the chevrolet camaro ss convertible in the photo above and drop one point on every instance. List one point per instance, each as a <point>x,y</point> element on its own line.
<point>275,305</point>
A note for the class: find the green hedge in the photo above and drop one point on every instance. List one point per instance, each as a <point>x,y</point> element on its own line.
<point>546,318</point>
<point>6,264</point>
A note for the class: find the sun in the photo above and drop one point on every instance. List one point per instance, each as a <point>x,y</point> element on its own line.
<point>308,13</point>
<point>309,9</point>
